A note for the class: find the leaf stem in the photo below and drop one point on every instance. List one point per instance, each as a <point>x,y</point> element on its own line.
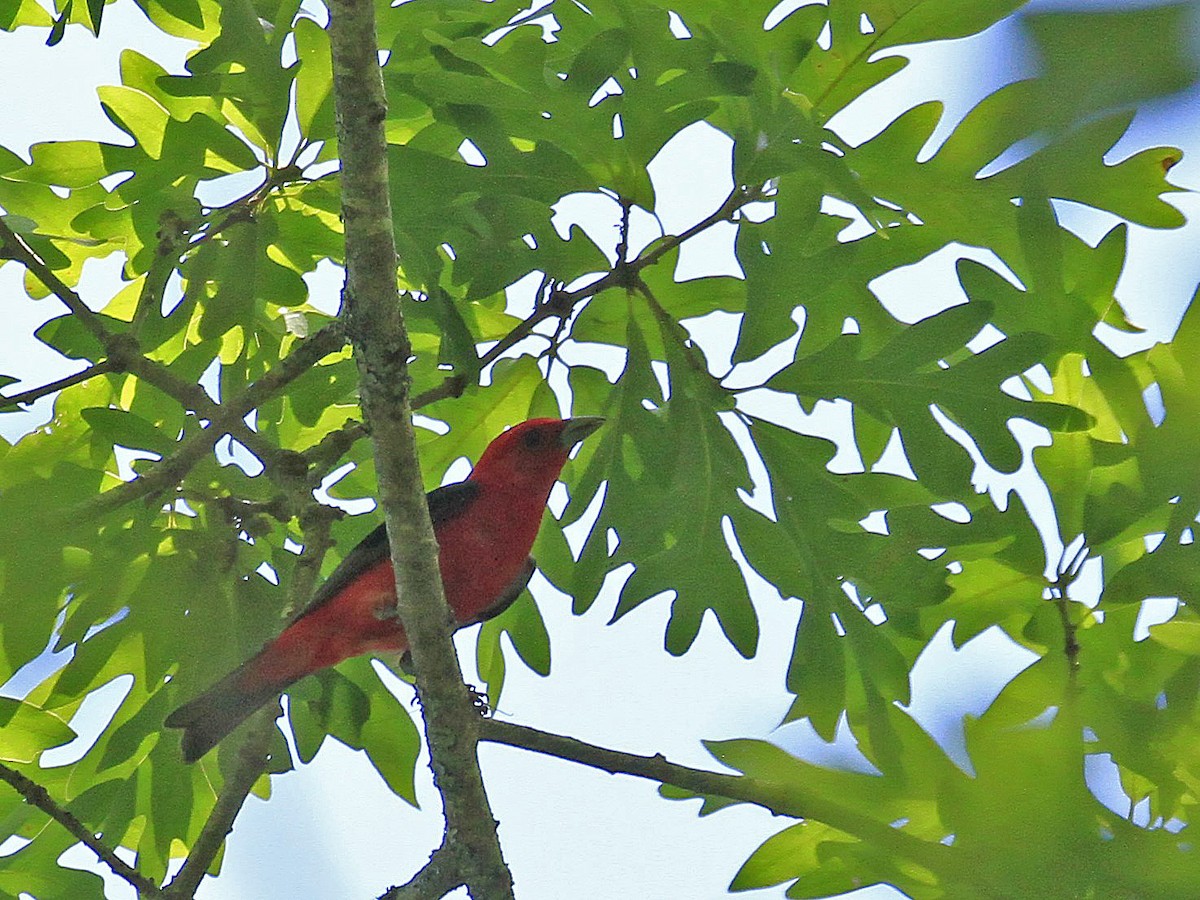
<point>1068,573</point>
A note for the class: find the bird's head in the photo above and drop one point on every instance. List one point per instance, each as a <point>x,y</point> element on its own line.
<point>532,453</point>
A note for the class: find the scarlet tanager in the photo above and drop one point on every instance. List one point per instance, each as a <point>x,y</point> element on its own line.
<point>485,528</point>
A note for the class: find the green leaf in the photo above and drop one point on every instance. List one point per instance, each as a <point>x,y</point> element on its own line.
<point>523,624</point>
<point>29,730</point>
<point>933,20</point>
<point>117,426</point>
<point>388,736</point>
<point>68,335</point>
<point>60,24</point>
<point>314,81</point>
<point>672,479</point>
<point>798,851</point>
<point>817,674</point>
<point>1180,635</point>
<point>1143,54</point>
<point>138,115</point>
<point>24,12</point>
<point>598,59</point>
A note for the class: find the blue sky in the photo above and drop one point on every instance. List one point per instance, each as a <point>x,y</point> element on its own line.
<point>331,829</point>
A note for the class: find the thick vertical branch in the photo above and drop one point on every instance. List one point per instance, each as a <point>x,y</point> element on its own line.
<point>376,329</point>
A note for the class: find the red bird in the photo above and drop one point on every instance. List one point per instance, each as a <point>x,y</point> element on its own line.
<point>485,528</point>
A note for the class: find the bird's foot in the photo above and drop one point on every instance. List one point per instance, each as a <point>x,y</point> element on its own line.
<point>479,701</point>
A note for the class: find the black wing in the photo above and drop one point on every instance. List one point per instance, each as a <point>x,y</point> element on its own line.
<point>503,602</point>
<point>509,597</point>
<point>445,503</point>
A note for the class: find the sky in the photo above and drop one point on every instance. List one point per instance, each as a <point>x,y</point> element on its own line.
<point>331,830</point>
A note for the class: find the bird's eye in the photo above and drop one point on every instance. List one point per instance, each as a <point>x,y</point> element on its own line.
<point>533,439</point>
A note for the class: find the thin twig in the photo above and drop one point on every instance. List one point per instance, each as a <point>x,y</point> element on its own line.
<point>33,394</point>
<point>796,801</point>
<point>38,796</point>
<point>252,759</point>
<point>561,302</point>
<point>13,246</point>
<point>726,212</point>
<point>239,509</point>
<point>168,472</point>
<point>236,211</point>
<point>323,455</point>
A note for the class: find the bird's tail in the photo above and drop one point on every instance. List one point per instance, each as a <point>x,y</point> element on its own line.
<point>207,719</point>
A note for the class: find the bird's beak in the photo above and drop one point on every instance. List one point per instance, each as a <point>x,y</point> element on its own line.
<point>577,429</point>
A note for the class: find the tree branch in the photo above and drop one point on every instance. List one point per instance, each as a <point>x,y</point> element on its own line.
<point>315,519</point>
<point>559,304</point>
<point>437,878</point>
<point>252,758</point>
<point>375,324</point>
<point>33,394</point>
<point>797,802</point>
<point>171,470</point>
<point>36,795</point>
<point>13,246</point>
